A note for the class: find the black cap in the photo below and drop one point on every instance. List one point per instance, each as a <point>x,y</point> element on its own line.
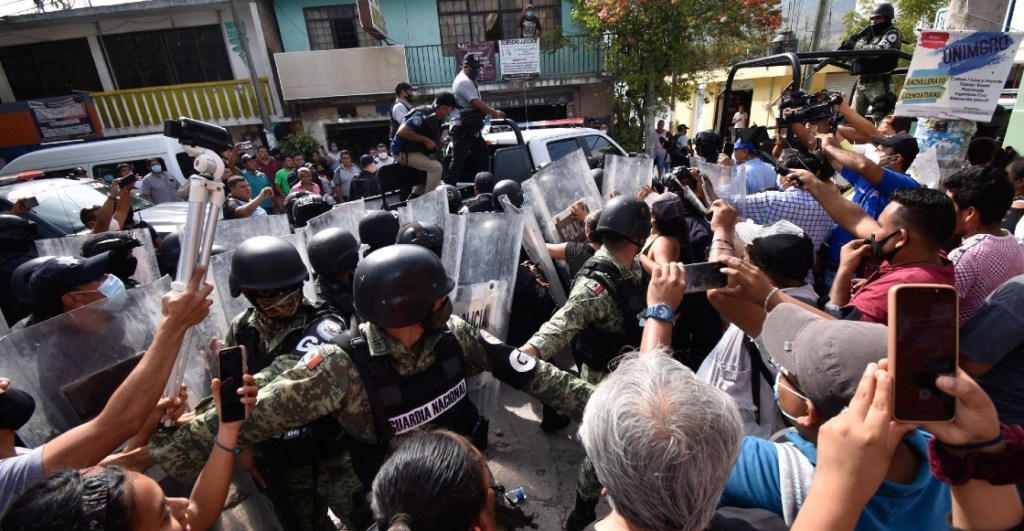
<point>901,143</point>
<point>484,181</point>
<point>403,86</point>
<point>445,98</point>
<point>62,274</point>
<point>366,160</point>
<point>472,60</point>
<point>788,255</point>
<point>245,158</point>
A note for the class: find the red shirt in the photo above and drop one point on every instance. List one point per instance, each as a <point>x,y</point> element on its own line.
<point>873,298</point>
<point>270,168</point>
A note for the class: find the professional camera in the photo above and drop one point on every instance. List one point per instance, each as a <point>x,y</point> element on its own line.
<point>809,107</point>
<point>194,133</point>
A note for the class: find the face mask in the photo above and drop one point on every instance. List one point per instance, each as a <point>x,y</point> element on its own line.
<point>111,286</point>
<point>775,388</point>
<point>382,156</point>
<point>529,13</point>
<point>473,73</point>
<point>108,178</point>
<point>279,307</point>
<point>156,168</point>
<point>410,98</point>
<point>16,408</point>
<point>334,147</point>
<point>436,321</point>
<point>876,247</point>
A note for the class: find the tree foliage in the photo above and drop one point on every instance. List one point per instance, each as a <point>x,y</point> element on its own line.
<point>301,142</point>
<point>654,49</point>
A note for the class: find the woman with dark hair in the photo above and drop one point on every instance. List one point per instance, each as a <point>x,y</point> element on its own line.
<point>670,234</point>
<point>114,499</point>
<point>1016,212</point>
<point>434,481</point>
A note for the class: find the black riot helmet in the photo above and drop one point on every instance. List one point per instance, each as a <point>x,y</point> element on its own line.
<point>454,198</point>
<point>397,286</point>
<point>628,217</point>
<point>884,9</point>
<point>332,251</point>
<point>20,277</point>
<point>119,244</point>
<point>265,263</point>
<point>306,208</point>
<point>510,188</point>
<point>170,250</point>
<point>17,229</point>
<point>378,229</point>
<point>426,235</point>
<point>484,182</point>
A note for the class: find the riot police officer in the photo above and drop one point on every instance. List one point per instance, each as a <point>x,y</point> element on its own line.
<point>469,152</point>
<point>17,237</point>
<point>874,96</point>
<point>403,368</point>
<point>426,235</point>
<point>305,208</point>
<point>121,263</point>
<point>483,197</point>
<point>454,198</point>
<point>333,254</point>
<point>378,229</point>
<point>417,142</point>
<point>279,327</point>
<point>509,188</point>
<point>605,299</point>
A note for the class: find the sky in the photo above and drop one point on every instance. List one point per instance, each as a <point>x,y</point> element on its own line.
<point>24,7</point>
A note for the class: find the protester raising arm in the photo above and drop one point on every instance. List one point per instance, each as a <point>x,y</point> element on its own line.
<point>847,214</point>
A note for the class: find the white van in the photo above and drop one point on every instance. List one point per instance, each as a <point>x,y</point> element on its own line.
<point>101,157</point>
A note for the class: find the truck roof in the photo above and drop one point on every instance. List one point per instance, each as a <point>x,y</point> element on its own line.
<point>509,138</point>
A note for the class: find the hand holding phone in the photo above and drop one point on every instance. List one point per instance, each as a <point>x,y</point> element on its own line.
<point>705,276</point>
<point>233,366</point>
<point>923,345</point>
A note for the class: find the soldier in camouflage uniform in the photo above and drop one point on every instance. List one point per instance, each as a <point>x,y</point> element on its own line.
<point>283,326</point>
<point>404,368</point>
<point>874,87</point>
<point>333,254</point>
<point>604,302</point>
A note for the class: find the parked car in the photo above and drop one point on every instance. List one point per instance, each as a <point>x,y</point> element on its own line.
<point>518,155</point>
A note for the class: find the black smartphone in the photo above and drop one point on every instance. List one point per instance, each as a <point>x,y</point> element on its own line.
<point>232,367</point>
<point>923,345</point>
<point>127,181</point>
<point>704,276</point>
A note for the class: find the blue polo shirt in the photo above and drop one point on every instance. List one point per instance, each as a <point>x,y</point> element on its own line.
<point>872,198</point>
<point>923,504</point>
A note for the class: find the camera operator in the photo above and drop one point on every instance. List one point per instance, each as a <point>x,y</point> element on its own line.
<point>874,88</point>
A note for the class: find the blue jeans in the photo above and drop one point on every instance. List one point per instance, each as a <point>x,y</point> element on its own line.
<point>659,162</point>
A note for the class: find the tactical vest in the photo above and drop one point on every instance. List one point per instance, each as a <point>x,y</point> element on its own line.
<point>435,396</point>
<point>299,340</point>
<point>395,124</point>
<point>482,203</point>
<point>888,38</point>
<point>598,348</point>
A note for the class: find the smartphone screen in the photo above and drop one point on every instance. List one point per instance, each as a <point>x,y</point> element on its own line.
<point>232,367</point>
<point>923,344</point>
<point>704,276</point>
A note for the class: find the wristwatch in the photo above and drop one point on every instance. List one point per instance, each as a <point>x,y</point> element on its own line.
<point>661,312</point>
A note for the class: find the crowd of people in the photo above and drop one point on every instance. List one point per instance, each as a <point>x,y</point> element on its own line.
<point>763,400</point>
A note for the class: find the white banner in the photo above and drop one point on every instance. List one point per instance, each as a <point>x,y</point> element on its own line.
<point>520,58</point>
<point>957,75</point>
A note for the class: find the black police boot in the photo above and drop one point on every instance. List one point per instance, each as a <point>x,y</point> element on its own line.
<point>552,421</point>
<point>582,514</point>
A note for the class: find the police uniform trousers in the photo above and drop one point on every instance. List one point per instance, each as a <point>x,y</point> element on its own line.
<point>469,156</point>
<point>871,92</point>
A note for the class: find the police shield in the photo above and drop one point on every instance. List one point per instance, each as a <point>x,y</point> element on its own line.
<point>299,240</point>
<point>232,232</point>
<point>344,216</point>
<point>728,183</point>
<point>146,272</point>
<point>536,249</point>
<point>431,207</point>
<point>72,363</point>
<point>626,175</point>
<point>552,191</point>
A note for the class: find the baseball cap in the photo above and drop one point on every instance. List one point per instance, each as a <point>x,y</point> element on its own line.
<point>445,98</point>
<point>61,275</point>
<point>743,144</point>
<point>404,86</point>
<point>245,158</point>
<point>366,160</point>
<point>472,60</point>
<point>827,357</point>
<point>901,143</point>
<point>668,207</point>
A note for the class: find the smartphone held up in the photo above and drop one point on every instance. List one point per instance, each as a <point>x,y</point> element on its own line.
<point>233,365</point>
<point>704,276</point>
<point>923,345</point>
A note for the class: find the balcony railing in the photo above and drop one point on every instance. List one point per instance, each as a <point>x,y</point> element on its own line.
<point>429,66</point>
<point>224,103</point>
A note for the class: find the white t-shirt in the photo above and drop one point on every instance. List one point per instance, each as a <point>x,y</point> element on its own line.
<point>18,473</point>
<point>740,119</point>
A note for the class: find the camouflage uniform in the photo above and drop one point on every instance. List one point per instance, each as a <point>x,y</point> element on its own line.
<point>327,383</point>
<point>874,86</point>
<point>589,305</point>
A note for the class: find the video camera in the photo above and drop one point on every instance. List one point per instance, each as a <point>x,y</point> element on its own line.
<point>194,133</point>
<point>809,107</point>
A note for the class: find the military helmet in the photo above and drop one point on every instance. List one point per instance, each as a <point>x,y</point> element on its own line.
<point>426,235</point>
<point>510,188</point>
<point>332,251</point>
<point>884,9</point>
<point>119,243</point>
<point>20,277</point>
<point>397,286</point>
<point>454,198</point>
<point>378,229</point>
<point>628,217</point>
<point>265,263</point>
<point>306,208</point>
<point>17,228</point>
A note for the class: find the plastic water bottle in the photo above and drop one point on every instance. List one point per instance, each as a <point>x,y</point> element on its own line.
<point>487,125</point>
<point>516,496</point>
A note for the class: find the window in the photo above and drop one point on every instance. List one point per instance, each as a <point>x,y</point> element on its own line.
<point>334,27</point>
<point>599,146</point>
<point>466,21</point>
<point>560,148</point>
<point>168,57</point>
<point>49,69</point>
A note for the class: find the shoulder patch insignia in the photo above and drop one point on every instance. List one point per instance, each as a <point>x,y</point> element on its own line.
<point>312,359</point>
<point>328,328</point>
<point>597,288</point>
<point>891,37</point>
<point>417,120</point>
<point>521,362</point>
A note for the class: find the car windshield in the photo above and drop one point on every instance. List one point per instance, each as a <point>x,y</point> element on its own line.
<point>61,205</point>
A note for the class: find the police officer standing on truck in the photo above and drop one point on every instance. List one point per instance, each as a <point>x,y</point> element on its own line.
<point>403,104</point>
<point>874,88</point>
<point>469,152</point>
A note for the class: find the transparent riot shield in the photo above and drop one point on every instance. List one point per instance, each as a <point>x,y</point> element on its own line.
<point>728,183</point>
<point>481,253</point>
<point>230,307</point>
<point>626,175</point>
<point>232,232</point>
<point>344,216</point>
<point>431,207</point>
<point>299,240</point>
<point>552,191</point>
<point>72,363</point>
<point>536,248</point>
<point>147,271</point>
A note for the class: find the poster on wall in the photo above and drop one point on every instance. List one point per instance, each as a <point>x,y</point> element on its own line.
<point>485,51</point>
<point>59,119</point>
<point>520,59</point>
<point>957,75</point>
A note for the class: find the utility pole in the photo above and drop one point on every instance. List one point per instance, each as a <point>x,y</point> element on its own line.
<point>819,20</point>
<point>257,87</point>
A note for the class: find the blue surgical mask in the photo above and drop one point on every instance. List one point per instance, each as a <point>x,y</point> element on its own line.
<point>111,286</point>
<point>156,168</point>
<point>108,178</point>
<point>529,13</point>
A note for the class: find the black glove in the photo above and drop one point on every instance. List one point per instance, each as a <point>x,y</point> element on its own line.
<point>508,364</point>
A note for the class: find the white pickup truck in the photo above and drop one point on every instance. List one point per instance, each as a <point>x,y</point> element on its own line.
<point>518,155</point>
